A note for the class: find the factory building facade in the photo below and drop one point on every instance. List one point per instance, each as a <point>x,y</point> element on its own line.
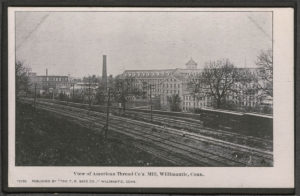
<point>46,84</point>
<point>161,84</point>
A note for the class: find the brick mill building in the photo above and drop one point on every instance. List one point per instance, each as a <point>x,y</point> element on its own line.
<point>50,83</point>
<point>164,82</point>
<point>167,82</point>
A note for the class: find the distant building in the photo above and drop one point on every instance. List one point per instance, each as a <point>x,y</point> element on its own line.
<point>104,81</point>
<point>50,83</point>
<point>167,82</point>
<point>239,98</point>
<point>85,86</point>
<point>163,83</point>
<point>191,64</point>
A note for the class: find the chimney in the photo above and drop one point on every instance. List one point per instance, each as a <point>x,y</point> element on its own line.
<point>46,72</point>
<point>104,73</point>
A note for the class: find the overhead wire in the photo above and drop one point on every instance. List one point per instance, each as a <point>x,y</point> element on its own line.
<point>43,19</point>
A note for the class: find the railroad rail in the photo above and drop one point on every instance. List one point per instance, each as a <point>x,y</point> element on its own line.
<point>174,145</point>
<point>178,122</point>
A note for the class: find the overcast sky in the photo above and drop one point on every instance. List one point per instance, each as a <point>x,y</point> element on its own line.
<point>74,42</point>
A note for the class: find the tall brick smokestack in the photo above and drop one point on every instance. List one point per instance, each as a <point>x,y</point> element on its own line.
<point>104,73</point>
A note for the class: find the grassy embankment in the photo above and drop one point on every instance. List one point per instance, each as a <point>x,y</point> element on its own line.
<point>46,139</point>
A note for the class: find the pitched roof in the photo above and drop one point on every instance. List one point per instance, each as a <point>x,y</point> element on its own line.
<point>191,62</point>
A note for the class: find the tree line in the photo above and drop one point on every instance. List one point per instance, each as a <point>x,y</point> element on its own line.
<point>221,79</point>
<point>218,80</point>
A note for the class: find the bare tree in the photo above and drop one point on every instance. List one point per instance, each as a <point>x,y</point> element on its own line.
<point>101,94</point>
<point>22,78</point>
<point>174,102</point>
<point>124,89</point>
<point>265,73</point>
<point>89,92</point>
<point>218,79</point>
<point>221,80</point>
<point>196,88</point>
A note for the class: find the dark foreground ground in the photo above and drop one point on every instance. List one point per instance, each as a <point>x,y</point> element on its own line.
<point>43,139</point>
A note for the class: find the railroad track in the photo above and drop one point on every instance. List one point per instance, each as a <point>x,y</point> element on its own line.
<point>197,127</point>
<point>166,152</point>
<point>187,147</point>
<point>187,124</point>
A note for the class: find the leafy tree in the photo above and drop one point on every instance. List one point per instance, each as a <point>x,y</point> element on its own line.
<point>174,103</point>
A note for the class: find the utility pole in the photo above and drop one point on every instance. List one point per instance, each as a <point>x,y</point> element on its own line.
<point>34,96</point>
<point>123,96</point>
<point>89,96</point>
<point>73,92</point>
<point>107,114</point>
<point>194,97</point>
<point>151,117</point>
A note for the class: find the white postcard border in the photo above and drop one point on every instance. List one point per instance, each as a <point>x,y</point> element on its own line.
<point>279,176</point>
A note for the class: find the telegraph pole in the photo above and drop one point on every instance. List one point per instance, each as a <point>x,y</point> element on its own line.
<point>107,114</point>
<point>89,91</point>
<point>73,92</point>
<point>151,102</point>
<point>123,96</point>
<point>151,113</point>
<point>34,96</point>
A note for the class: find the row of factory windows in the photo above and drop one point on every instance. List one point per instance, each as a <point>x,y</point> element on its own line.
<point>57,79</point>
<point>148,74</point>
<point>205,103</point>
<point>172,85</point>
<point>53,85</point>
<point>231,97</point>
<point>157,81</point>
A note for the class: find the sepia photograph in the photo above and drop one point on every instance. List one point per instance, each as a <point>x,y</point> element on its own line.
<point>146,88</point>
